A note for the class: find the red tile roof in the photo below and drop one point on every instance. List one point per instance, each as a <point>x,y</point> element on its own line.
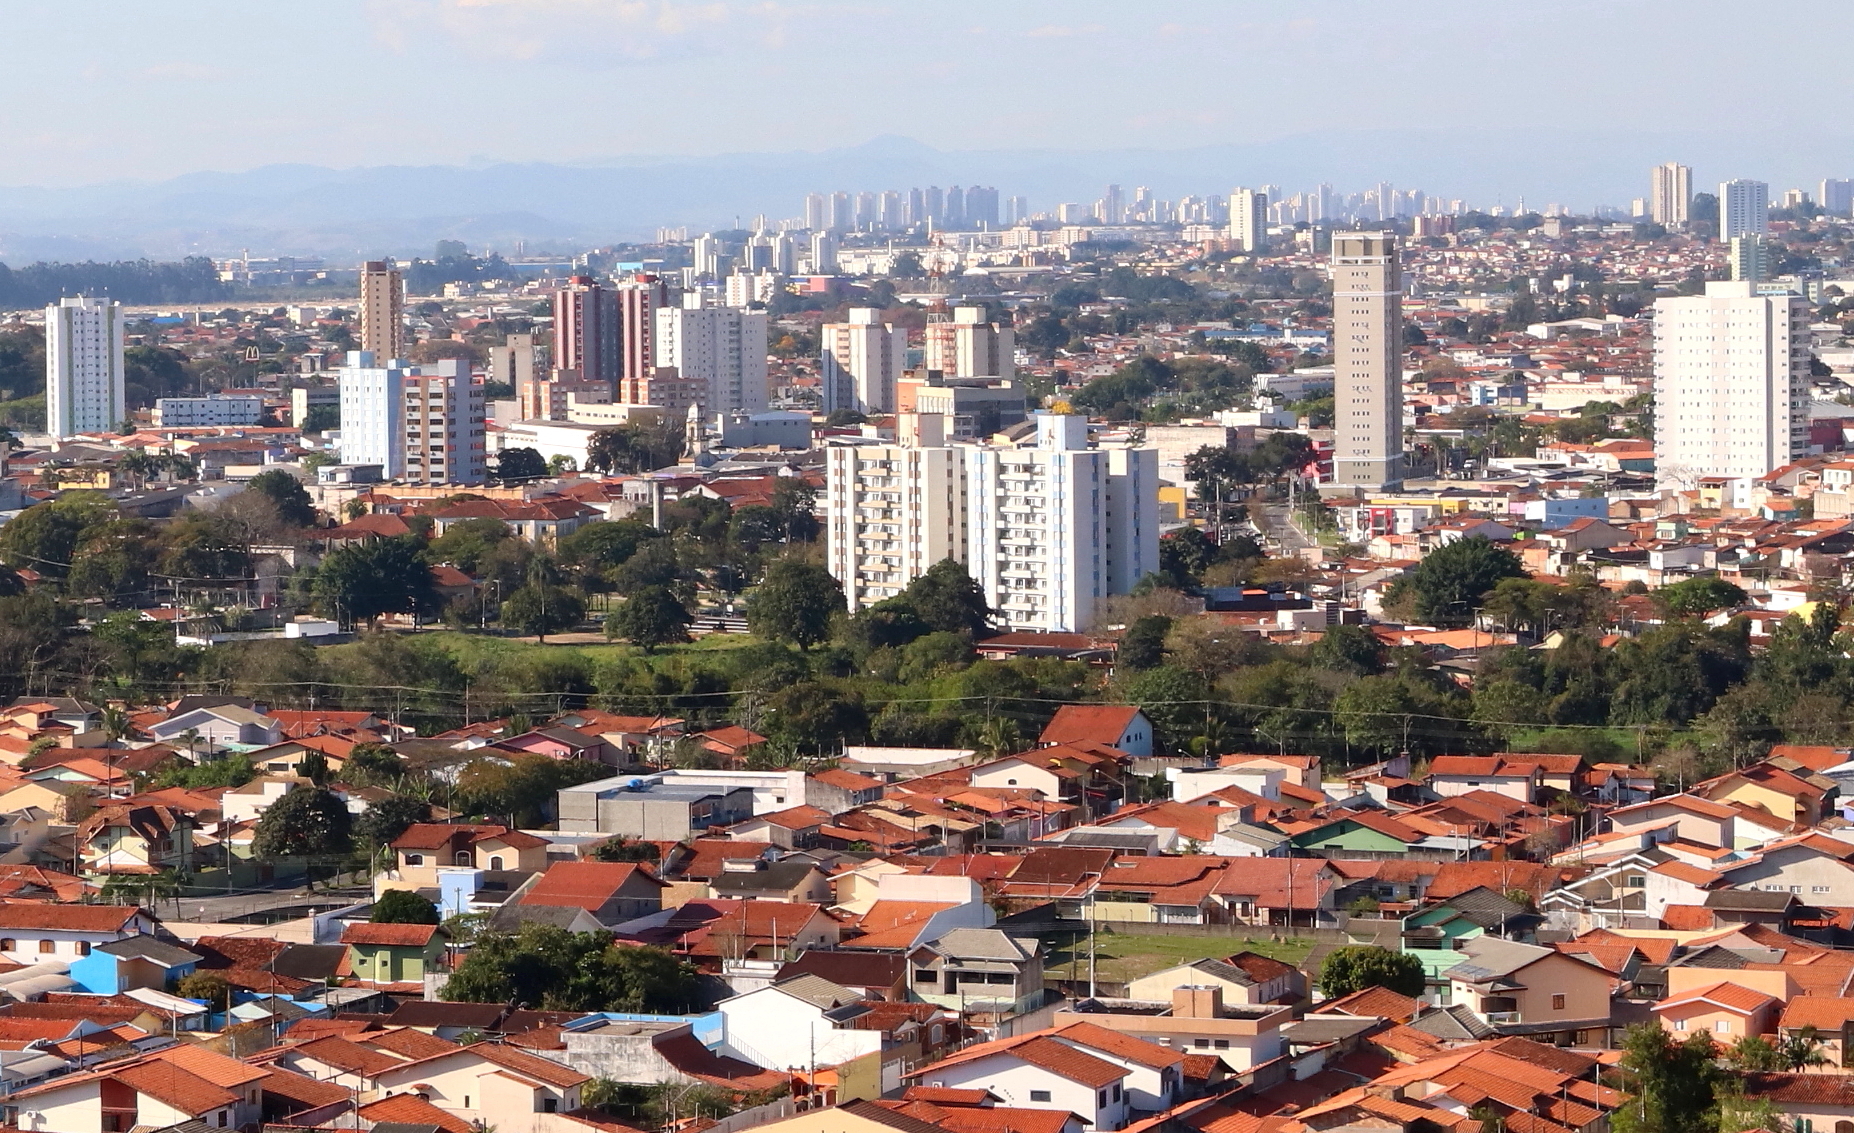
<point>585,885</point>
<point>410,1109</point>
<point>1103,723</point>
<point>391,935</point>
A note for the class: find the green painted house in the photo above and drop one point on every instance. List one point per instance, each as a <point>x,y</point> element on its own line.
<point>1358,836</point>
<point>393,953</point>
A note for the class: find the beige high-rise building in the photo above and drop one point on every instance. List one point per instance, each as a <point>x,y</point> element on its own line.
<point>382,310</point>
<point>970,347</point>
<point>1671,195</point>
<point>1367,360</point>
<point>1249,219</point>
<point>1731,383</point>
<point>860,361</point>
<point>893,511</point>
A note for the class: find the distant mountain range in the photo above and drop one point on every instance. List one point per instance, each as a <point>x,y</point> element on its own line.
<point>345,214</point>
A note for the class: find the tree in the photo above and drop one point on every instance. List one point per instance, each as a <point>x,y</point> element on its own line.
<point>1450,581</point>
<point>403,906</point>
<point>385,820</point>
<point>547,967</point>
<point>1347,649</point>
<point>1359,966</point>
<point>45,537</point>
<point>210,987</point>
<point>649,618</point>
<point>287,494</point>
<point>622,849</point>
<point>1698,597</point>
<point>948,600</point>
<point>1672,1086</point>
<point>540,608</point>
<point>795,602</point>
<point>518,464</point>
<point>313,766</point>
<point>1142,646</point>
<point>307,823</point>
<point>363,581</point>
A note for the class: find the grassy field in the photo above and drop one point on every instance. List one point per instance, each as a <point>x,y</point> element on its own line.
<point>1126,955</point>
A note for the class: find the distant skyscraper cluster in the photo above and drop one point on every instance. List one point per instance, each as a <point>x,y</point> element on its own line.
<point>895,210</point>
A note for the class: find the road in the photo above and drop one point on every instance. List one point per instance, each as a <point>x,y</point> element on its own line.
<point>1292,541</point>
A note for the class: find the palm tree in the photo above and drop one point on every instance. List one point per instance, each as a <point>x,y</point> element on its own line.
<point>191,737</point>
<point>115,723</point>
<point>1000,737</point>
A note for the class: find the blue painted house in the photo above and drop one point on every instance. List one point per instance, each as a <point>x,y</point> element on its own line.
<point>133,962</point>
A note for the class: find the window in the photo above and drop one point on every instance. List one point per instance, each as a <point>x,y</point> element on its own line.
<point>47,947</point>
<point>495,863</point>
<point>1100,1098</point>
<point>549,1105</point>
<point>923,975</point>
<point>1724,1027</point>
<point>1635,881</point>
<point>1039,1095</point>
<point>8,944</point>
<point>83,948</point>
<point>1201,1044</point>
<point>1222,1044</point>
<point>466,1101</point>
<point>1680,1024</point>
<point>415,859</point>
<point>462,858</point>
<point>1557,1002</point>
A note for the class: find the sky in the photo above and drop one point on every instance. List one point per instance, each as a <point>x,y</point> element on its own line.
<point>109,90</point>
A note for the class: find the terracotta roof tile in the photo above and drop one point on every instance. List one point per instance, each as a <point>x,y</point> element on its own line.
<point>390,935</point>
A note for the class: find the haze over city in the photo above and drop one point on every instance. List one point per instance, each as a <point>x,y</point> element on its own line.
<point>622,566</point>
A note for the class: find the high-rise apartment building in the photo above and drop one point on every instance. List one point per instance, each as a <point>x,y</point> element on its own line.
<point>970,347</point>
<point>1747,258</point>
<point>1048,529</point>
<point>1053,528</point>
<point>1670,194</point>
<point>84,391</point>
<point>382,309</point>
<point>515,362</point>
<point>422,425</point>
<point>722,349</point>
<point>817,211</point>
<point>586,333</point>
<point>1731,382</point>
<point>1249,219</point>
<point>823,253</point>
<point>1367,339</point>
<point>893,511</point>
<point>860,361</point>
<point>1744,208</point>
<point>1836,196</point>
<point>639,299</point>
<point>842,212</point>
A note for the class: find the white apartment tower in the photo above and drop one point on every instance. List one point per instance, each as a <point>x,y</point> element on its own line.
<point>893,511</point>
<point>83,366</point>
<point>382,309</point>
<point>1670,194</point>
<point>1836,196</point>
<point>970,347</point>
<point>1731,382</point>
<point>860,362</point>
<point>420,425</point>
<point>1052,529</point>
<point>1249,219</point>
<point>1748,258</point>
<point>1744,208</point>
<point>1367,338</point>
<point>721,349</point>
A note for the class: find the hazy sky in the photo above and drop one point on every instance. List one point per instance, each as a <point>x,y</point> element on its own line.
<point>101,89</point>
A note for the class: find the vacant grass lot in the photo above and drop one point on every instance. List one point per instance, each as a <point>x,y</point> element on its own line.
<point>1125,955</point>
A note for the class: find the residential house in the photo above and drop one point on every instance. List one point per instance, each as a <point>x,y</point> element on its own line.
<point>1823,1103</point>
<point>490,1085</point>
<point>1194,1018</point>
<point>802,1021</point>
<point>183,1084</point>
<point>394,953</point>
<point>1516,777</point>
<point>1527,989</point>
<point>1246,978</point>
<point>141,961</point>
<point>1120,726</point>
<point>1789,796</point>
<point>794,879</point>
<point>1817,869</point>
<point>224,725</point>
<point>612,892</point>
<point>794,828</point>
<point>1039,1071</point>
<point>30,933</point>
<point>136,841</point>
<point>656,809</point>
<point>1828,1019</point>
<point>563,743</point>
<point>835,791</point>
<point>968,966</point>
<point>543,522</point>
<point>1163,890</point>
<point>1730,1011</point>
<point>1696,819</point>
<point>426,847</point>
